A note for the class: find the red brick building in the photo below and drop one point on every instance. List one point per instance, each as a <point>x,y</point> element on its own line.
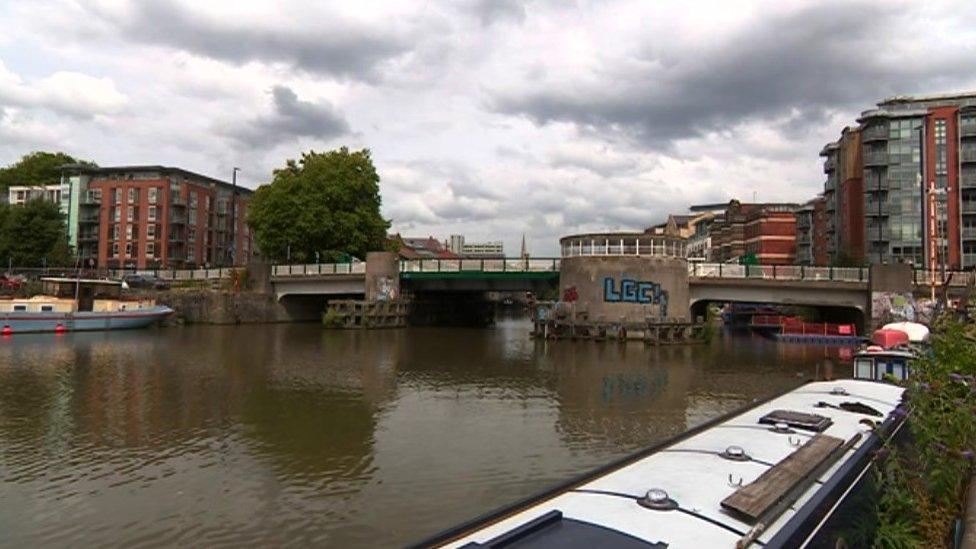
<point>147,217</point>
<point>811,233</point>
<point>767,231</point>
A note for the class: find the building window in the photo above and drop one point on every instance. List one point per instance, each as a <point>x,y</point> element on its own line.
<point>97,194</point>
<point>128,249</point>
<point>153,195</point>
<point>133,196</point>
<point>115,249</point>
<point>117,195</point>
<point>115,231</point>
<point>191,234</point>
<point>152,213</point>
<point>150,249</point>
<point>193,217</point>
<point>128,232</point>
<point>130,214</point>
<point>151,231</point>
<point>116,214</point>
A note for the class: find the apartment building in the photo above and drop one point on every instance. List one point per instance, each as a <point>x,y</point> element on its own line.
<point>18,194</point>
<point>146,217</point>
<point>844,197</point>
<point>811,233</point>
<point>475,250</point>
<point>766,231</point>
<point>909,144</point>
<point>694,228</point>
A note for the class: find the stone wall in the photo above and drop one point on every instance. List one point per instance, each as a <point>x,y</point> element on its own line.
<point>627,288</point>
<point>205,307</point>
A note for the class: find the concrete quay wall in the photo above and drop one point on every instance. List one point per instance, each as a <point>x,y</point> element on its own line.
<point>207,307</point>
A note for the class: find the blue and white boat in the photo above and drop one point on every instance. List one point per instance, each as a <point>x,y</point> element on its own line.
<point>70,305</point>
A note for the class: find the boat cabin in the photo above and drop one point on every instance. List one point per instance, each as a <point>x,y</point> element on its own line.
<point>87,291</point>
<point>874,363</point>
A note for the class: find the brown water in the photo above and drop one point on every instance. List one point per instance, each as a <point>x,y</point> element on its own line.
<point>293,435</point>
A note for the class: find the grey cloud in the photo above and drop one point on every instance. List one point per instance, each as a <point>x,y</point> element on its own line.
<point>812,60</point>
<point>290,118</point>
<point>338,48</point>
<point>492,11</point>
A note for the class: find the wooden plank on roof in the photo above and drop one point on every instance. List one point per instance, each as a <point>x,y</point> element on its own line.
<point>754,500</point>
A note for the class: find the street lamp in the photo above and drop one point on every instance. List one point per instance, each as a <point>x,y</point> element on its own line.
<point>233,216</point>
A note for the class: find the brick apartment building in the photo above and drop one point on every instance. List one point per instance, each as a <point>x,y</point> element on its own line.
<point>878,177</point>
<point>767,231</point>
<point>811,233</point>
<point>147,217</point>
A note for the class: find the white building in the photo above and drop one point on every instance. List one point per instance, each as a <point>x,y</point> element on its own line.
<point>22,193</point>
<point>475,250</point>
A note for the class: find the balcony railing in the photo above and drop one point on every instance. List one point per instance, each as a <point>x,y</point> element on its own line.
<point>968,155</point>
<point>967,129</point>
<point>968,260</point>
<point>877,132</point>
<point>875,209</point>
<point>969,233</point>
<point>969,208</point>
<point>876,158</point>
<point>874,234</point>
<point>830,165</point>
<point>967,179</point>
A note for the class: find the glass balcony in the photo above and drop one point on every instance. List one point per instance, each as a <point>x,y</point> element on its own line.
<point>967,155</point>
<point>876,132</point>
<point>876,158</point>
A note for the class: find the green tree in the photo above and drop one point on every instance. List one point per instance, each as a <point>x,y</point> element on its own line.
<point>36,168</point>
<point>34,234</point>
<point>324,203</point>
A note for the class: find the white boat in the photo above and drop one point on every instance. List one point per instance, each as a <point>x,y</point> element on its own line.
<point>68,305</point>
<point>774,475</point>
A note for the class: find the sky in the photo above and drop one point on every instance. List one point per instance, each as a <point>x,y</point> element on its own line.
<point>488,118</point>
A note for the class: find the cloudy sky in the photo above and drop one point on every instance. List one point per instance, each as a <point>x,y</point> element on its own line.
<point>490,118</point>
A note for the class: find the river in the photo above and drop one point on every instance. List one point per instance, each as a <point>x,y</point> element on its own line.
<point>293,435</point>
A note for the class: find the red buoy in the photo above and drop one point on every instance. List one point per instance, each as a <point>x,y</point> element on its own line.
<point>60,329</point>
<point>7,330</point>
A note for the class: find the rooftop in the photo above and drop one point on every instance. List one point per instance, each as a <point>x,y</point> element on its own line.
<point>168,170</point>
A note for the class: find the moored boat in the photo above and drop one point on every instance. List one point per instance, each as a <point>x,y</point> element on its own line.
<point>68,305</point>
<point>778,474</point>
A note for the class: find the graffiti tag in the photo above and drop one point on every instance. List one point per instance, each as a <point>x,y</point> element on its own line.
<point>633,291</point>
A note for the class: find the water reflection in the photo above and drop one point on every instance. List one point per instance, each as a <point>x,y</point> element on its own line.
<point>290,434</point>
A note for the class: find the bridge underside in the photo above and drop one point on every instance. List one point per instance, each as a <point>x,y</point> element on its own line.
<point>831,298</point>
<point>330,286</point>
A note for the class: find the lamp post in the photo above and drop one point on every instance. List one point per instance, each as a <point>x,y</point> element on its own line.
<point>232,249</point>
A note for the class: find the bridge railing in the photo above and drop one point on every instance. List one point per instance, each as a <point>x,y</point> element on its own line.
<point>479,265</point>
<point>956,278</point>
<point>317,269</point>
<point>777,272</point>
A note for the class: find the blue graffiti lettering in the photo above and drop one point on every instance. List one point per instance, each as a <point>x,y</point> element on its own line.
<point>633,291</point>
<point>609,293</point>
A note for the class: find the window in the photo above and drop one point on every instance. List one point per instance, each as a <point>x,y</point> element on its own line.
<point>193,216</point>
<point>130,214</point>
<point>133,196</point>
<point>47,308</point>
<point>128,232</point>
<point>97,195</point>
<point>117,195</point>
<point>115,231</point>
<point>20,307</point>
<point>151,231</point>
<point>116,214</point>
<point>150,249</point>
<point>191,234</point>
<point>152,213</point>
<point>115,249</point>
<point>128,249</point>
<point>153,195</point>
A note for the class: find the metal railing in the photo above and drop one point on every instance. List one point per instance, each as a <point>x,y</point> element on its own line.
<point>538,265</point>
<point>659,246</point>
<point>875,132</point>
<point>875,158</point>
<point>101,273</point>
<point>923,277</point>
<point>777,272</point>
<point>319,269</point>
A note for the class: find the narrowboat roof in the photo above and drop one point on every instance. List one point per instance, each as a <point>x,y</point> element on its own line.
<point>697,474</point>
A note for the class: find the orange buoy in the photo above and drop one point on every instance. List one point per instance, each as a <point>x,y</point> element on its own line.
<point>60,329</point>
<point>7,330</point>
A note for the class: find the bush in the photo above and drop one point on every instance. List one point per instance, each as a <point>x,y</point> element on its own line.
<point>923,482</point>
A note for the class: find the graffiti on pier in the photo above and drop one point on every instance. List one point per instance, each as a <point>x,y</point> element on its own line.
<point>633,291</point>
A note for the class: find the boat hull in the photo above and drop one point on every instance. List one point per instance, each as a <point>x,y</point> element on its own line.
<point>20,323</point>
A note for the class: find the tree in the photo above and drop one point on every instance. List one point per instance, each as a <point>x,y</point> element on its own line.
<point>321,206</point>
<point>35,169</point>
<point>34,234</point>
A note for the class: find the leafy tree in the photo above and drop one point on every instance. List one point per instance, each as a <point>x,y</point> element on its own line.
<point>326,203</point>
<point>36,168</point>
<point>34,234</point>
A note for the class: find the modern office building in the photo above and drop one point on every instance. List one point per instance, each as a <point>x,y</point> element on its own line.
<point>18,194</point>
<point>145,217</point>
<point>811,233</point>
<point>907,144</point>
<point>475,250</point>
